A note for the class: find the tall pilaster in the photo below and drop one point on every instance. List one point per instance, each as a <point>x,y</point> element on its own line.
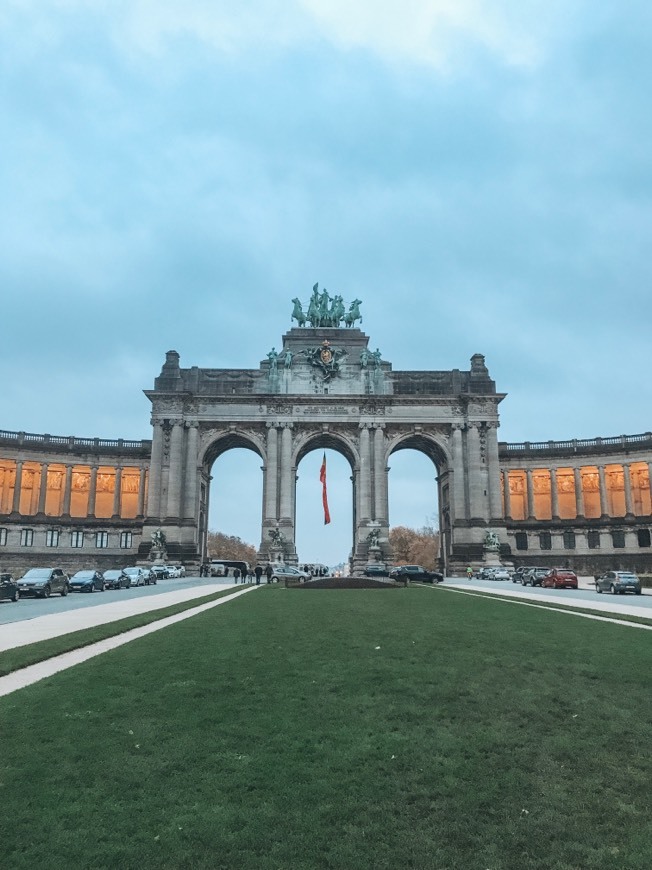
<point>270,482</point>
<point>175,480</point>
<point>142,485</point>
<point>117,492</point>
<point>191,488</point>
<point>287,474</point>
<point>507,496</point>
<point>579,493</point>
<point>554,494</point>
<point>364,492</point>
<point>18,486</point>
<point>458,500</point>
<point>530,494</point>
<point>493,472</point>
<point>43,488</point>
<point>476,475</point>
<point>604,508</point>
<point>155,471</point>
<point>629,508</point>
<point>92,493</point>
<point>380,476</point>
<point>67,491</point>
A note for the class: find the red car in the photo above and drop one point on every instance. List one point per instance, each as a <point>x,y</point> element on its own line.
<point>560,578</point>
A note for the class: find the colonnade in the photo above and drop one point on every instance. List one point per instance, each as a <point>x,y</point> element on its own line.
<point>606,489</point>
<point>62,489</point>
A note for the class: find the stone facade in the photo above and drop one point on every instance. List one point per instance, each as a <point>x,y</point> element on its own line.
<point>80,502</point>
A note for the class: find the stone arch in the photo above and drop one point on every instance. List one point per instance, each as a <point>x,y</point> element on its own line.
<point>219,443</point>
<point>318,439</point>
<point>433,445</point>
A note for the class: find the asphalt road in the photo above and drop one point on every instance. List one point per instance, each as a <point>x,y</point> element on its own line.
<point>29,608</point>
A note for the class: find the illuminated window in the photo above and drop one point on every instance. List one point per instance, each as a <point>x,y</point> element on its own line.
<point>618,538</point>
<point>569,540</point>
<point>545,540</point>
<point>101,540</point>
<point>26,537</point>
<point>76,539</point>
<point>3,537</point>
<point>52,538</point>
<point>520,539</point>
<point>126,539</point>
<point>644,537</point>
<point>593,539</point>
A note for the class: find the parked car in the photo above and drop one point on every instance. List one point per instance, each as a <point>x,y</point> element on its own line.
<point>139,576</point>
<point>176,571</point>
<point>560,578</point>
<point>486,574</point>
<point>415,572</point>
<point>375,570</point>
<point>8,588</point>
<point>500,574</point>
<point>160,572</point>
<point>288,572</point>
<point>87,581</point>
<point>618,582</point>
<point>534,576</point>
<point>116,579</point>
<point>43,582</point>
<point>517,576</point>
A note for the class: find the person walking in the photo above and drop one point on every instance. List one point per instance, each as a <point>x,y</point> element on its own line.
<point>236,575</point>
<point>259,573</point>
<point>268,572</point>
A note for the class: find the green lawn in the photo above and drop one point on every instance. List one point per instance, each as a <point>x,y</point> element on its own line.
<point>408,728</point>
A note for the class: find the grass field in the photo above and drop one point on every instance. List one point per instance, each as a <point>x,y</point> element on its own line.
<point>408,728</point>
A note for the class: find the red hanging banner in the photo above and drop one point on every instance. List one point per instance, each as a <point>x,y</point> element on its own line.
<point>324,494</point>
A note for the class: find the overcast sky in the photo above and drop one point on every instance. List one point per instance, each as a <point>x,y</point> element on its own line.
<point>478,172</point>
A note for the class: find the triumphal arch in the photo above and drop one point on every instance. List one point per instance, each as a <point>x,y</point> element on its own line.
<point>325,387</point>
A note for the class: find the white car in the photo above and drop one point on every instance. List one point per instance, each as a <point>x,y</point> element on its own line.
<point>176,571</point>
<point>287,572</point>
<point>500,574</point>
<point>138,576</point>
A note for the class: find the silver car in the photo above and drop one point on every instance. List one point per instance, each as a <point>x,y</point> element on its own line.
<point>618,582</point>
<point>138,576</point>
<point>287,572</point>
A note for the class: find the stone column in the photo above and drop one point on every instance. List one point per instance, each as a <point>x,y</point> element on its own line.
<point>67,491</point>
<point>604,507</point>
<point>458,497</point>
<point>270,482</point>
<point>530,494</point>
<point>191,490</point>
<point>18,484</point>
<point>554,494</point>
<point>287,473</point>
<point>117,492</point>
<point>141,491</point>
<point>175,480</point>
<point>493,473</point>
<point>380,476</point>
<point>476,490</point>
<point>507,499</point>
<point>629,509</point>
<point>92,493</point>
<point>155,471</point>
<point>364,494</point>
<point>579,493</point>
<point>43,488</point>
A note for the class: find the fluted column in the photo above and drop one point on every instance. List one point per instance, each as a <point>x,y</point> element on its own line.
<point>364,493</point>
<point>459,500</point>
<point>92,492</point>
<point>554,494</point>
<point>117,491</point>
<point>155,471</point>
<point>579,493</point>
<point>380,476</point>
<point>191,489</point>
<point>18,485</point>
<point>43,488</point>
<point>629,507</point>
<point>142,483</point>
<point>287,473</point>
<point>507,496</point>
<point>604,507</point>
<point>67,492</point>
<point>476,476</point>
<point>530,494</point>
<point>175,480</point>
<point>493,472</point>
<point>270,484</point>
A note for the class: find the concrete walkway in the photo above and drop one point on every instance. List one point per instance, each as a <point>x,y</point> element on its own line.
<point>26,631</point>
<point>32,674</point>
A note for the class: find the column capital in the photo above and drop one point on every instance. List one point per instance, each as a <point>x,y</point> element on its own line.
<point>192,424</point>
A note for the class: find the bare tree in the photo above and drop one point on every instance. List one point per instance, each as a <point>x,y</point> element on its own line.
<point>415,546</point>
<point>222,546</point>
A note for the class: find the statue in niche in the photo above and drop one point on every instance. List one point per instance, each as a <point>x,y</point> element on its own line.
<point>364,358</point>
<point>287,358</point>
<point>373,538</point>
<point>491,541</point>
<point>272,356</point>
<point>277,538</point>
<point>377,358</point>
<point>159,540</point>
